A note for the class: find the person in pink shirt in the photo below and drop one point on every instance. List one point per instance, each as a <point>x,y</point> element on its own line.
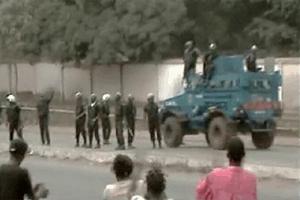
<point>229,183</point>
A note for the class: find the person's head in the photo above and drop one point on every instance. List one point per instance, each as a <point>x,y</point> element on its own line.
<point>106,97</point>
<point>253,48</point>
<point>150,97</point>
<point>212,46</point>
<point>130,98</point>
<point>11,98</point>
<point>122,167</point>
<point>235,151</point>
<point>18,149</point>
<point>118,96</point>
<point>156,182</point>
<point>189,44</point>
<point>93,98</point>
<point>78,96</point>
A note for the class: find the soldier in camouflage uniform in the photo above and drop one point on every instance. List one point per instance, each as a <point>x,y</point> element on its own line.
<point>119,115</point>
<point>151,111</point>
<point>43,115</point>
<point>80,114</point>
<point>13,113</point>
<point>106,124</point>
<point>93,121</point>
<point>130,113</point>
<point>251,60</point>
<point>208,65</point>
<point>191,54</point>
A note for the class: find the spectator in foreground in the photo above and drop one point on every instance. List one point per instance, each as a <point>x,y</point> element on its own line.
<point>156,185</point>
<point>125,187</point>
<point>232,182</point>
<point>15,181</point>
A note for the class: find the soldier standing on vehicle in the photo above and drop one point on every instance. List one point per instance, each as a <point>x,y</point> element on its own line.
<point>80,119</point>
<point>106,124</point>
<point>13,112</point>
<point>251,60</point>
<point>43,116</point>
<point>93,121</point>
<point>151,112</point>
<point>130,113</point>
<point>191,54</point>
<point>119,114</point>
<point>208,65</point>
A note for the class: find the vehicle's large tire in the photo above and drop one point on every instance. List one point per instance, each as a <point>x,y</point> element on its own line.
<point>262,140</point>
<point>218,133</point>
<point>172,132</point>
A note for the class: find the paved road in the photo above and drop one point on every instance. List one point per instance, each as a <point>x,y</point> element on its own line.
<point>285,152</point>
<point>78,180</point>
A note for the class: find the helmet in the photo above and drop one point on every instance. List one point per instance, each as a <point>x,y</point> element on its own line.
<point>253,47</point>
<point>93,97</point>
<point>78,94</point>
<point>118,96</point>
<point>11,98</point>
<point>188,44</point>
<point>150,96</point>
<point>106,97</point>
<point>212,46</point>
<point>130,97</point>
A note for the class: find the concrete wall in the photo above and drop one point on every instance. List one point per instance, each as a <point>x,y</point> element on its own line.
<point>163,79</point>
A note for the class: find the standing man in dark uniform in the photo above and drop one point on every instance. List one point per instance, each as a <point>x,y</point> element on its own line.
<point>80,114</point>
<point>119,115</point>
<point>151,109</point>
<point>130,113</point>
<point>208,65</point>
<point>105,120</point>
<point>13,112</point>
<point>191,54</point>
<point>93,121</point>
<point>43,115</point>
<point>251,60</point>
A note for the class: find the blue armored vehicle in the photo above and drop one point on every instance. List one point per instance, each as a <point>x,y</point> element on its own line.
<point>233,100</point>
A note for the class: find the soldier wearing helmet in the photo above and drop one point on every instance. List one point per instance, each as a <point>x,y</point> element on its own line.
<point>151,112</point>
<point>191,54</point>
<point>80,115</point>
<point>105,120</point>
<point>119,116</point>
<point>93,120</point>
<point>208,65</point>
<point>130,114</point>
<point>251,59</point>
<point>13,113</point>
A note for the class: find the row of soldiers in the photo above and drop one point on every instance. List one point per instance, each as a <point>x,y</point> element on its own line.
<point>91,116</point>
<point>100,110</point>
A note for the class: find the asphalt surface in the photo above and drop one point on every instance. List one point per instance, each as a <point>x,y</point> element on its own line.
<point>284,153</point>
<point>78,180</point>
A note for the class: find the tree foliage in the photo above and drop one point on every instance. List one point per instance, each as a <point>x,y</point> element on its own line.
<point>111,31</point>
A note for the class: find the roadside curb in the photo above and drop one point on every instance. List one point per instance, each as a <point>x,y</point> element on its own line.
<point>177,162</point>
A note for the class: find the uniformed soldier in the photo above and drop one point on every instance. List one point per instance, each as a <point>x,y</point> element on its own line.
<point>130,113</point>
<point>191,54</point>
<point>43,116</point>
<point>119,115</point>
<point>208,66</point>
<point>106,124</point>
<point>93,121</point>
<point>13,113</point>
<point>251,59</point>
<point>151,111</point>
<point>80,115</point>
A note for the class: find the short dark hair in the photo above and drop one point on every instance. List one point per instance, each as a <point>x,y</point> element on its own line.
<point>156,182</point>
<point>235,149</point>
<point>18,147</point>
<point>122,166</point>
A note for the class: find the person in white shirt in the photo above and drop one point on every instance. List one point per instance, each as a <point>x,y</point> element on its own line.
<point>125,187</point>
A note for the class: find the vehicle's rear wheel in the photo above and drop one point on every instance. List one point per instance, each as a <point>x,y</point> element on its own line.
<point>218,133</point>
<point>262,140</point>
<point>172,132</point>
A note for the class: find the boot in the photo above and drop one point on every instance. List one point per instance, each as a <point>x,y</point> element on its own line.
<point>159,144</point>
<point>154,146</point>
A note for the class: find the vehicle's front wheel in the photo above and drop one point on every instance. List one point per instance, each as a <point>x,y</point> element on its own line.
<point>172,132</point>
<point>263,140</point>
<point>218,133</point>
